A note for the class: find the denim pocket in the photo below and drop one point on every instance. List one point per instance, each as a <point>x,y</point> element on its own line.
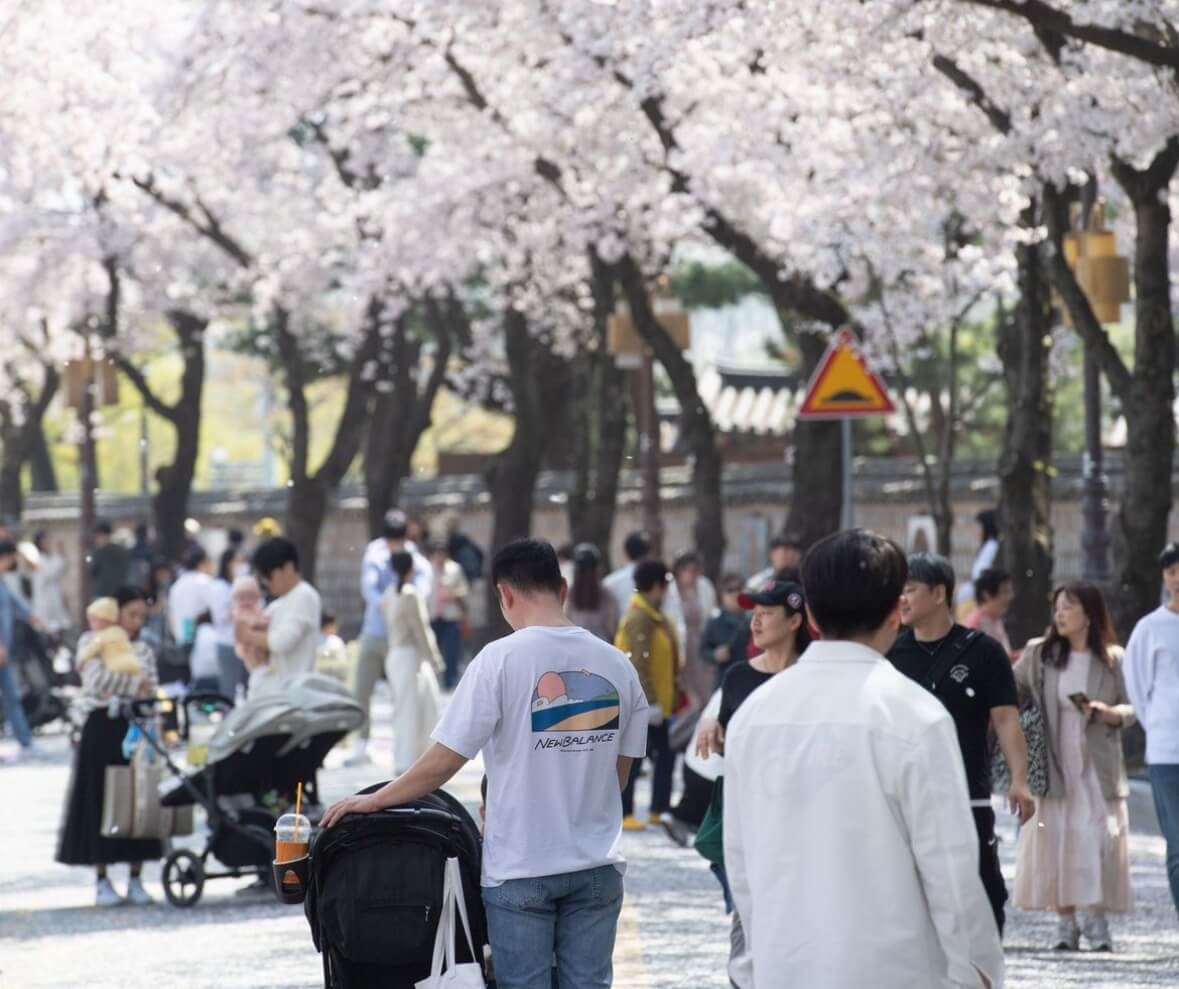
<point>518,894</point>
<point>607,885</point>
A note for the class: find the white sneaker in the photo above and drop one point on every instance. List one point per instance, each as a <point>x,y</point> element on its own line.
<point>136,894</point>
<point>1095,927</point>
<point>1068,934</point>
<point>105,895</point>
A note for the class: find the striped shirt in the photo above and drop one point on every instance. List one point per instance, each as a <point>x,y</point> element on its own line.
<point>99,684</point>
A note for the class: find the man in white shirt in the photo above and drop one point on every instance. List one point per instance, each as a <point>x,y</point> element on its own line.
<point>785,554</point>
<point>849,842</point>
<point>559,716</point>
<point>1152,680</point>
<point>621,582</point>
<point>292,632</point>
<point>191,603</point>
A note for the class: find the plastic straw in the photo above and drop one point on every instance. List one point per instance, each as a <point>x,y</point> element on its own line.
<point>298,807</point>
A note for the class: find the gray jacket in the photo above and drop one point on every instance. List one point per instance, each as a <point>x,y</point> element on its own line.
<point>1104,743</point>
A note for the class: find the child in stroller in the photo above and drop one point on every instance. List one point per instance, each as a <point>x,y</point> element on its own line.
<point>258,753</point>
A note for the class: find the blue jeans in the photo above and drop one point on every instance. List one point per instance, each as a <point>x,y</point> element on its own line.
<point>1164,782</point>
<point>573,916</point>
<point>450,643</point>
<point>14,713</point>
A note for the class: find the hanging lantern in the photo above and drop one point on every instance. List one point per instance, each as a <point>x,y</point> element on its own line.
<point>77,375</point>
<point>1104,275</point>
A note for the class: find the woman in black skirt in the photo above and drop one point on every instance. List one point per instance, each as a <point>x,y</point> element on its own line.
<point>81,841</point>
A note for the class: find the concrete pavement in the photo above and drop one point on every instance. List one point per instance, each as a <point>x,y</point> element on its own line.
<point>673,932</point>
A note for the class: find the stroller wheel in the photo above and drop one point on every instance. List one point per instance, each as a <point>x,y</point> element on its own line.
<point>183,878</point>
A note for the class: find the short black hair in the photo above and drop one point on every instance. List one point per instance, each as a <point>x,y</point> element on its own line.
<point>395,524</point>
<point>103,528</point>
<point>853,582</point>
<point>128,593</point>
<point>326,619</point>
<point>650,574</point>
<point>194,556</point>
<point>274,554</point>
<point>784,541</point>
<point>688,558</point>
<point>988,520</point>
<point>528,566</point>
<point>933,570</point>
<point>1169,556</point>
<point>7,547</point>
<point>401,563</point>
<point>636,546</point>
<point>989,583</point>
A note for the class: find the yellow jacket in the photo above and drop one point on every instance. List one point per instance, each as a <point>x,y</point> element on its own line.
<point>646,638</point>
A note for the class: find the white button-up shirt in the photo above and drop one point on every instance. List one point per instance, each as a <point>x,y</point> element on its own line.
<point>1151,667</point>
<point>849,841</point>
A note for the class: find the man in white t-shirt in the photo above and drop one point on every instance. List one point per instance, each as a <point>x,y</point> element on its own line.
<point>559,716</point>
<point>191,603</point>
<point>292,633</point>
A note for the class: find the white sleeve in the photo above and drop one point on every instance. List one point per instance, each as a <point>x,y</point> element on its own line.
<point>935,803</point>
<point>1138,666</point>
<point>474,710</point>
<point>736,870</point>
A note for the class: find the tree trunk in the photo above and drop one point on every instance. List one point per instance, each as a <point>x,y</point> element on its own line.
<point>12,501</point>
<point>598,429</point>
<point>540,386</point>
<point>307,506</point>
<point>19,439</point>
<point>817,469</point>
<point>402,412</point>
<point>1139,529</point>
<point>42,474</point>
<point>696,425</point>
<point>1025,485</point>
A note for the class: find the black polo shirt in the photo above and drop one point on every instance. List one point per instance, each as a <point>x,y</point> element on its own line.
<point>980,680</point>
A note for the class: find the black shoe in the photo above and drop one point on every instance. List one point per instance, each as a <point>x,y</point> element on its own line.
<point>676,830</point>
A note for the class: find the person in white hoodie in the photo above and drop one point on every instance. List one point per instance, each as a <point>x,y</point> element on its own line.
<point>1151,667</point>
<point>848,838</point>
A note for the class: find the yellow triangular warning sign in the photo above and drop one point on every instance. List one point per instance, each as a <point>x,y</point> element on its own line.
<point>844,385</point>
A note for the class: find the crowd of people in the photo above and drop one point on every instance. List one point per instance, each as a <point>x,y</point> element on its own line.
<point>844,718</point>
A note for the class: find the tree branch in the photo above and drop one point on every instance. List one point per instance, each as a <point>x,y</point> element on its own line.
<point>208,227</point>
<point>1000,119</point>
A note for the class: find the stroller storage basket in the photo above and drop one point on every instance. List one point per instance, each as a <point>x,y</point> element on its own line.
<point>375,891</point>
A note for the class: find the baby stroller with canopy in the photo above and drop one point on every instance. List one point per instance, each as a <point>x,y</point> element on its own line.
<point>375,892</point>
<point>257,755</point>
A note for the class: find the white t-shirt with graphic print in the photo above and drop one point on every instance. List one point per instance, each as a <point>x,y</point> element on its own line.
<point>551,708</point>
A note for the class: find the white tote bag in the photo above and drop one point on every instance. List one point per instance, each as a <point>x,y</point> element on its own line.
<point>452,975</point>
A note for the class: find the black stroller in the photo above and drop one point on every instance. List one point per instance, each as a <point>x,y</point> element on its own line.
<point>374,895</point>
<point>258,754</point>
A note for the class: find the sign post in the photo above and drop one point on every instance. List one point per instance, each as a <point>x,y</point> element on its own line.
<point>845,387</point>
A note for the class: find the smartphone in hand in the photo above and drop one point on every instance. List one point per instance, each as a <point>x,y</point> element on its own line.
<point>1081,700</point>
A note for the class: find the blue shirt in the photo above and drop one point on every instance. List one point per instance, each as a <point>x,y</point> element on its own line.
<point>376,576</point>
<point>11,608</point>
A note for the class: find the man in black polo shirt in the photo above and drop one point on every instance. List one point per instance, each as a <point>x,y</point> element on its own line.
<point>970,673</point>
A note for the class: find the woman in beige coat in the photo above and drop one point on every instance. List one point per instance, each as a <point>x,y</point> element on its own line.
<point>1074,854</point>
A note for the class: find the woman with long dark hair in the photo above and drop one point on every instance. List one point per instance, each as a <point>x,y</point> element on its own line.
<point>589,604</point>
<point>412,664</point>
<point>81,841</point>
<point>1074,854</point>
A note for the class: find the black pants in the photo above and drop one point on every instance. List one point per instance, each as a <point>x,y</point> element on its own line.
<point>663,763</point>
<point>988,863</point>
<point>694,800</point>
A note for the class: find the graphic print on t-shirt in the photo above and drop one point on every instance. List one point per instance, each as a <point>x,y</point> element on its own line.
<point>574,701</point>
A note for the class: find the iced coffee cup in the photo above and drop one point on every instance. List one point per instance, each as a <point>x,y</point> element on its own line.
<point>292,836</point>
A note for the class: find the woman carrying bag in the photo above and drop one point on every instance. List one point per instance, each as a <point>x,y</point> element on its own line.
<point>1074,854</point>
<point>81,841</point>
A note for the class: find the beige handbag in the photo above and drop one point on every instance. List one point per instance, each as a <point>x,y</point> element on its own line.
<point>117,802</point>
<point>131,804</point>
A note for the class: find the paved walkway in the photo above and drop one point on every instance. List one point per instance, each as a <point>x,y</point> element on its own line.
<point>673,931</point>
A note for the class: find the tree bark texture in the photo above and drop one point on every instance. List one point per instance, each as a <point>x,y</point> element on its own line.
<point>1025,484</point>
<point>19,438</point>
<point>403,409</point>
<point>696,425</point>
<point>310,494</point>
<point>540,386</point>
<point>598,422</point>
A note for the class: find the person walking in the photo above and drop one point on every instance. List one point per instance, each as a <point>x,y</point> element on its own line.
<point>589,604</point>
<point>970,673</point>
<point>621,582</point>
<point>191,603</point>
<point>375,577</point>
<point>80,841</point>
<point>559,716</point>
<point>988,551</point>
<point>1075,853</point>
<point>12,610</point>
<point>690,602</point>
<point>785,554</point>
<point>291,636</point>
<point>781,635</point>
<point>110,563</point>
<point>412,652</point>
<point>848,840</point>
<point>727,635</point>
<point>1152,681</point>
<point>648,640</point>
<point>50,605</point>
<point>231,671</point>
<point>994,591</point>
<point>448,609</point>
